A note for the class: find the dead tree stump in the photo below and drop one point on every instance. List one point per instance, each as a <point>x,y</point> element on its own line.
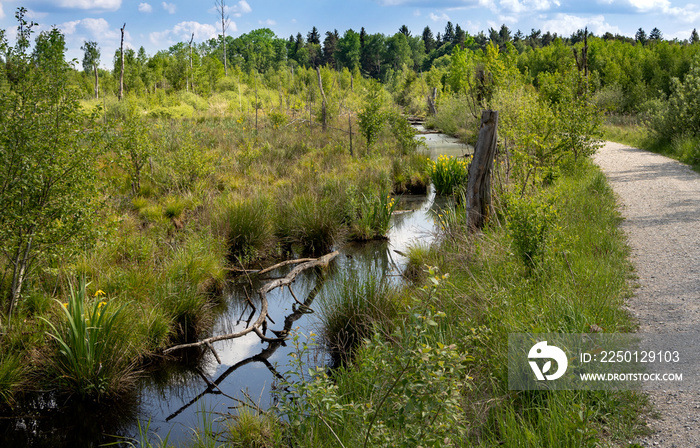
<point>479,184</point>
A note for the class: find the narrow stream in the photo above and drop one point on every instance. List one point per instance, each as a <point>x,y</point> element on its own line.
<point>175,406</point>
<point>174,399</point>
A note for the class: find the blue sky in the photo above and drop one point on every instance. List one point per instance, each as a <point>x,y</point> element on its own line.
<point>158,24</point>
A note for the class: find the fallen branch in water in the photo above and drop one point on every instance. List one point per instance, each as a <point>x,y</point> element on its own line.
<point>267,287</point>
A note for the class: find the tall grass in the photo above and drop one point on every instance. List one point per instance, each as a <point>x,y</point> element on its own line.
<point>352,310</point>
<point>248,429</point>
<point>245,225</point>
<point>12,373</point>
<point>373,217</point>
<point>314,223</point>
<point>90,359</point>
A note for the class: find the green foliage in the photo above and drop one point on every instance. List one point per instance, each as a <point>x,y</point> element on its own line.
<point>182,162</point>
<point>528,223</point>
<point>448,174</point>
<point>90,359</point>
<point>392,395</point>
<point>404,134</point>
<point>460,74</point>
<point>371,118</point>
<point>578,120</point>
<point>133,146</point>
<point>680,116</point>
<point>48,151</point>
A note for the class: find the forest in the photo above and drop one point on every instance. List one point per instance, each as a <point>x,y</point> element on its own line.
<point>130,197</point>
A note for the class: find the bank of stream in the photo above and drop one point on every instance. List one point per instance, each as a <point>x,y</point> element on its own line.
<point>173,398</point>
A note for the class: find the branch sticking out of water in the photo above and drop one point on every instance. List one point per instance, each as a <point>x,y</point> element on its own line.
<point>277,283</point>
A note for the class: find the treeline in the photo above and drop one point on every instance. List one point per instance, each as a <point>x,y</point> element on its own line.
<point>639,66</point>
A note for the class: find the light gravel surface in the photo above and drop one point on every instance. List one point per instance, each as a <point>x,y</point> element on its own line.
<point>660,200</point>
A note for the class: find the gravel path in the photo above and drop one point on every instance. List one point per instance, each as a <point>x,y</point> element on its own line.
<point>660,199</point>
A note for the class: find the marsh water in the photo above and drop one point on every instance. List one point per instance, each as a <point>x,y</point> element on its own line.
<point>175,397</point>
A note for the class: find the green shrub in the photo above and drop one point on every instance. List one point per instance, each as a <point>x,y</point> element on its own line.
<point>528,222</point>
<point>404,394</point>
<point>687,149</point>
<point>180,111</point>
<point>404,134</point>
<point>681,115</point>
<point>371,119</point>
<point>193,100</point>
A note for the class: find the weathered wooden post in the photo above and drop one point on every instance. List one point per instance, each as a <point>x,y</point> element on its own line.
<point>431,102</point>
<point>479,185</point>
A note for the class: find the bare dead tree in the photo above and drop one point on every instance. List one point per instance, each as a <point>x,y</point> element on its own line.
<point>121,74</point>
<point>225,22</point>
<point>323,96</point>
<point>191,71</point>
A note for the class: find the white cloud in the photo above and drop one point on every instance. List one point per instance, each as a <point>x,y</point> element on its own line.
<point>648,5</point>
<point>145,7</point>
<point>688,14</point>
<point>268,22</point>
<point>2,13</point>
<point>237,10</point>
<point>108,5</point>
<point>416,13</point>
<point>93,29</point>
<point>170,7</point>
<point>243,7</point>
<point>69,28</point>
<point>519,6</point>
<point>183,31</point>
<point>566,25</point>
<point>442,17</point>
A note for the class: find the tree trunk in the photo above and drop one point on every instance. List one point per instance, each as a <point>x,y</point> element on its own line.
<point>18,274</point>
<point>121,74</point>
<point>191,71</point>
<point>323,104</point>
<point>431,102</point>
<point>350,133</point>
<point>479,185</point>
<point>97,85</point>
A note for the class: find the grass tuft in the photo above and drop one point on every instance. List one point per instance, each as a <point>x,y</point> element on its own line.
<point>90,359</point>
